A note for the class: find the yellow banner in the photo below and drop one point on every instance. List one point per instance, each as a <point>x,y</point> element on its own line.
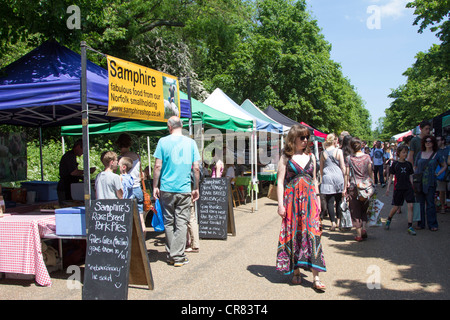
<point>138,92</point>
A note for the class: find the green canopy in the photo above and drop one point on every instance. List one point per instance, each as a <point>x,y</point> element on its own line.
<point>213,118</point>
<point>201,113</point>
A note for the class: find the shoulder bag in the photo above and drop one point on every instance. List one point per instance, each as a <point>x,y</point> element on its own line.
<point>147,198</point>
<point>365,188</point>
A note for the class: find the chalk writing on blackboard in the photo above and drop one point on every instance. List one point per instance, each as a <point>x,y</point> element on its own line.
<point>213,208</point>
<point>108,249</point>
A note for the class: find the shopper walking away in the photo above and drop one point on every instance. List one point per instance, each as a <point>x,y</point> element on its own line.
<point>175,156</point>
<point>332,168</point>
<point>359,169</point>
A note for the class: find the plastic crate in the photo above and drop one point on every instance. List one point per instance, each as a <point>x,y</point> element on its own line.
<point>45,190</point>
<point>70,221</point>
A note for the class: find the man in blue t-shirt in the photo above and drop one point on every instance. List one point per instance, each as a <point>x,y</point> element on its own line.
<point>377,159</point>
<point>175,156</point>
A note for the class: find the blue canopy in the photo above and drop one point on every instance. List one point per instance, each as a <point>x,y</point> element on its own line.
<point>43,88</point>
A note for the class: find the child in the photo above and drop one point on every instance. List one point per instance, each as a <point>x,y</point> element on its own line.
<point>403,190</point>
<point>107,183</point>
<point>125,165</point>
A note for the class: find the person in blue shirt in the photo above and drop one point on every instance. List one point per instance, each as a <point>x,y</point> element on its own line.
<point>125,166</point>
<point>443,152</point>
<point>176,155</point>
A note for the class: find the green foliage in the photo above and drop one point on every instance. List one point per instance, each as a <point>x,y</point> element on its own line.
<point>269,51</point>
<point>426,92</point>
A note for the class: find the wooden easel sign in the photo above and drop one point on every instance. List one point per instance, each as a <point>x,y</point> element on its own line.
<point>116,255</point>
<point>215,209</point>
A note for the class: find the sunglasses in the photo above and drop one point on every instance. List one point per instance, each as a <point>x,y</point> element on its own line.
<point>428,141</point>
<point>304,138</point>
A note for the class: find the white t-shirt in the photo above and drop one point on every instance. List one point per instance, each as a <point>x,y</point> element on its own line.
<point>230,173</point>
<point>107,184</point>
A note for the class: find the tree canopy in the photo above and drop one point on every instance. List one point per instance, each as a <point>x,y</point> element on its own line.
<point>269,51</point>
<point>425,94</point>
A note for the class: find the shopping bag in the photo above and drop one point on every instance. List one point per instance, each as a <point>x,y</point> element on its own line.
<point>158,220</point>
<point>373,213</point>
<point>346,218</point>
<point>272,194</point>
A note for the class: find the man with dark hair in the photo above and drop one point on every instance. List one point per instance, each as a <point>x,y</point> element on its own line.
<point>175,156</point>
<point>69,172</point>
<point>415,144</point>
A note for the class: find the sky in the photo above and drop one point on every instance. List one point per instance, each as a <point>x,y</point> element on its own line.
<point>374,41</point>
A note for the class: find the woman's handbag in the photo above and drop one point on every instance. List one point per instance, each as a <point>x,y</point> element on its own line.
<point>147,198</point>
<point>440,177</point>
<point>272,194</point>
<point>365,188</point>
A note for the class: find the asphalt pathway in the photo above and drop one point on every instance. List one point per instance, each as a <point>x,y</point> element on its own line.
<point>389,265</point>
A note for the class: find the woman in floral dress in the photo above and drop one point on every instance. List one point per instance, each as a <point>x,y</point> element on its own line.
<point>299,243</point>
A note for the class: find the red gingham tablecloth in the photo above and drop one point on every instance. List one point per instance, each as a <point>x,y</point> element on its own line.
<point>20,245</point>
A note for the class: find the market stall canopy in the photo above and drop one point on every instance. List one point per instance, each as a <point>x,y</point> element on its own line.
<point>279,117</point>
<point>201,113</point>
<point>440,122</point>
<point>252,109</point>
<point>43,88</point>
<point>214,118</point>
<point>399,137</point>
<point>288,122</point>
<point>221,102</point>
<point>320,136</point>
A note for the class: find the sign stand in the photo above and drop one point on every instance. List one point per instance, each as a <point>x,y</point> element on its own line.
<point>215,209</point>
<point>231,227</point>
<point>116,255</point>
<point>140,272</point>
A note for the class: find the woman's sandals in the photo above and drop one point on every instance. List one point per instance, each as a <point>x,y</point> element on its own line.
<point>318,285</point>
<point>297,278</point>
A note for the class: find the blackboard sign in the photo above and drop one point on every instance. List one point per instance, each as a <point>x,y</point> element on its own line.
<point>108,251</point>
<point>213,206</point>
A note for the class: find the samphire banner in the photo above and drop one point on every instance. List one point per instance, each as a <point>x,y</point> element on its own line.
<point>138,92</point>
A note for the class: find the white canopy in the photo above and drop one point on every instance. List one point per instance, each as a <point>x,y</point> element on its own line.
<point>251,108</point>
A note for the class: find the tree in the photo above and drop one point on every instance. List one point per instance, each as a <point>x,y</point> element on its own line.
<point>426,92</point>
<point>283,60</point>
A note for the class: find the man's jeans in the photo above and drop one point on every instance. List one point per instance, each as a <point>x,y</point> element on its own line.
<point>376,170</point>
<point>176,209</point>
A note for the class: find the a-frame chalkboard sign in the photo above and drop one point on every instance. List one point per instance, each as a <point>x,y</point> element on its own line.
<point>116,255</point>
<point>215,209</point>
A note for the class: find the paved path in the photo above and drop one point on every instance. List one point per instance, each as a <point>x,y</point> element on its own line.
<point>242,267</point>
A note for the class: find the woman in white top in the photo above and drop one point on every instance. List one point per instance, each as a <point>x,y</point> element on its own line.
<point>332,169</point>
